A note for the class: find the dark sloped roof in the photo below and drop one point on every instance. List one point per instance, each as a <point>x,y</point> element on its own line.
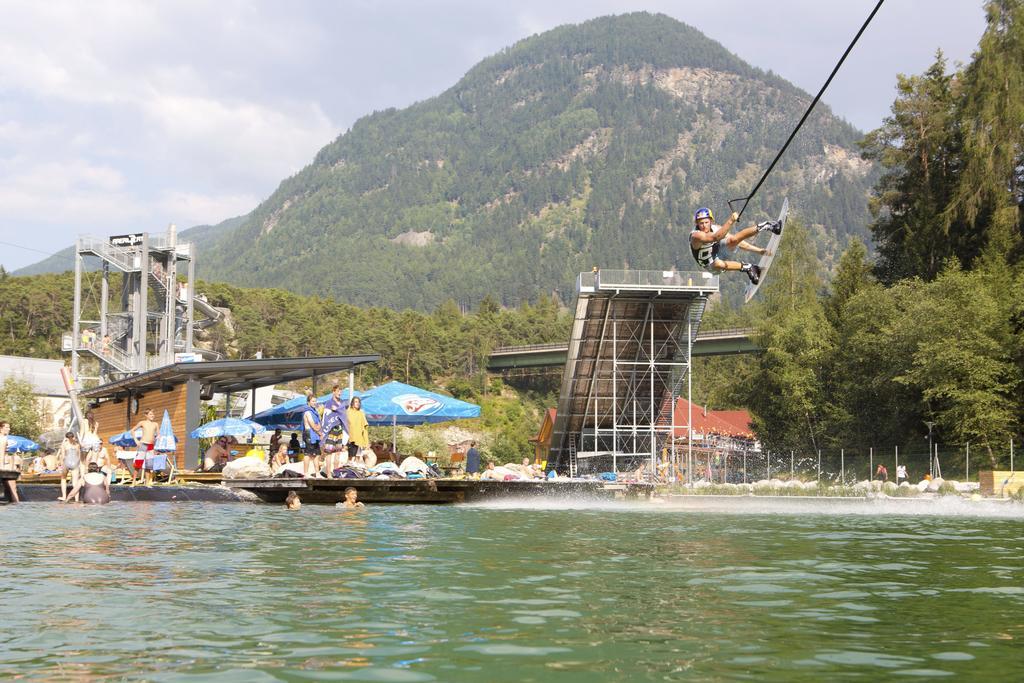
<point>231,375</point>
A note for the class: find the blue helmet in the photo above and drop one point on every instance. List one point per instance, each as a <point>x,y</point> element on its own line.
<point>703,212</point>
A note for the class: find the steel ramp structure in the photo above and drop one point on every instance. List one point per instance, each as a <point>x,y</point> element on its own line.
<point>628,361</point>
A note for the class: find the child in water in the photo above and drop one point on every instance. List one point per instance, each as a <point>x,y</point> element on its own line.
<point>292,502</point>
<point>351,502</point>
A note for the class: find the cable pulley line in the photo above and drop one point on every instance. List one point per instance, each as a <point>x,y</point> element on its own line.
<point>746,200</point>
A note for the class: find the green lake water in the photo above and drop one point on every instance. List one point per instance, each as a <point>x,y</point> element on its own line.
<point>631,592</point>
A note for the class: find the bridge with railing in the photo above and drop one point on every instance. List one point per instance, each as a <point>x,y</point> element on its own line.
<point>711,343</point>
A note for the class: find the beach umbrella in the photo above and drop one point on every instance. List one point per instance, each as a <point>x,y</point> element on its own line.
<point>165,439</point>
<point>396,403</point>
<point>288,415</point>
<point>125,439</point>
<point>228,426</point>
<point>19,444</point>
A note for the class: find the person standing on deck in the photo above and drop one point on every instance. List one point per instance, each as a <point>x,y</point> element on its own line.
<point>149,427</point>
<point>7,462</point>
<point>472,459</point>
<point>314,435</point>
<point>359,430</point>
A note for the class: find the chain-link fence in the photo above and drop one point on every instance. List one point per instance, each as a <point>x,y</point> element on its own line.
<point>850,465</point>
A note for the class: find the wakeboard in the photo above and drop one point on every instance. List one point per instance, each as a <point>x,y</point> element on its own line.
<point>766,259</point>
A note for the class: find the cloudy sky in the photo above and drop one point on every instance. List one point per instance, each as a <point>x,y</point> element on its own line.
<point>123,116</point>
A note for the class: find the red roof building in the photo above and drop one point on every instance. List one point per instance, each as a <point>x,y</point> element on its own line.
<point>722,423</point>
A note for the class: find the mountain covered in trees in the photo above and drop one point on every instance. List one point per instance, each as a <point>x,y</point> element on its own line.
<point>587,145</point>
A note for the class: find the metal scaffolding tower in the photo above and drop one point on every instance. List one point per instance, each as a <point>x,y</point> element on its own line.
<point>629,357</point>
<point>153,318</point>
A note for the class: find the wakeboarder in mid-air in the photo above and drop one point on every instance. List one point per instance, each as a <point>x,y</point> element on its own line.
<point>710,243</point>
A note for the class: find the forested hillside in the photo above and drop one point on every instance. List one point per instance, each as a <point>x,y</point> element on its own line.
<point>445,350</point>
<point>588,144</point>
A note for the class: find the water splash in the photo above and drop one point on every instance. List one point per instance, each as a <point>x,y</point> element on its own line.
<point>944,506</point>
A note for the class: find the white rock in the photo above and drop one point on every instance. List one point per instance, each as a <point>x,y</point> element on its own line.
<point>922,485</point>
<point>904,484</point>
<point>246,468</point>
<point>935,483</point>
<point>889,488</point>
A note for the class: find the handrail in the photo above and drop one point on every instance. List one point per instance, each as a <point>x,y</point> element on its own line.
<point>557,346</point>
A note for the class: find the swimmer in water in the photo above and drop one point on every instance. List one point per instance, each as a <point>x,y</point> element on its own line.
<point>292,502</point>
<point>351,502</point>
<point>95,487</point>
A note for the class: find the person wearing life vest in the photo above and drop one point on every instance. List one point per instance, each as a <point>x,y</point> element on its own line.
<point>314,435</point>
<point>712,244</point>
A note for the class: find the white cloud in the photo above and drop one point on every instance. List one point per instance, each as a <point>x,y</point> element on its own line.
<point>129,115</point>
<point>189,208</point>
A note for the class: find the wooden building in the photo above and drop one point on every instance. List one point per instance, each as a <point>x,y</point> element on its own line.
<point>180,389</point>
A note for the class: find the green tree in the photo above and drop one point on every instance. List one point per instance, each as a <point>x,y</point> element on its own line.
<point>18,405</point>
<point>918,147</point>
<point>961,363</point>
<point>783,387</point>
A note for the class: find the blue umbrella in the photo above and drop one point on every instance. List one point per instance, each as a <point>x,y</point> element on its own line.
<point>228,426</point>
<point>19,444</point>
<point>288,415</point>
<point>396,403</point>
<point>125,439</point>
<point>165,439</point>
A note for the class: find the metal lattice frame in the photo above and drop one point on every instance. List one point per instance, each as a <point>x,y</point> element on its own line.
<point>629,354</point>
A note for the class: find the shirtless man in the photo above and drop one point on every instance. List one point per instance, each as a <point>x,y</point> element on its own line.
<point>216,456</point>
<point>712,244</point>
<point>149,427</point>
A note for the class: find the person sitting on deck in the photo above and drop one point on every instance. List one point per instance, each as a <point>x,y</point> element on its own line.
<point>216,456</point>
<point>280,459</point>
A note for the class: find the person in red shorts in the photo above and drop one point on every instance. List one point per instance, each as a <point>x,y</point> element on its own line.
<point>149,427</point>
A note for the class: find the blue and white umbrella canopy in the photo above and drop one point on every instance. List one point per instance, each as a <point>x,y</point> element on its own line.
<point>126,439</point>
<point>288,415</point>
<point>396,403</point>
<point>228,426</point>
<point>165,439</point>
<point>19,444</point>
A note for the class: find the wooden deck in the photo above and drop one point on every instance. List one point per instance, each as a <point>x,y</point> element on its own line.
<point>208,487</point>
<point>5,476</point>
<point>432,491</point>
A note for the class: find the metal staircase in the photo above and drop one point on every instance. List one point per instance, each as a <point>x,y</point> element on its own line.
<point>628,357</point>
<point>152,317</point>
